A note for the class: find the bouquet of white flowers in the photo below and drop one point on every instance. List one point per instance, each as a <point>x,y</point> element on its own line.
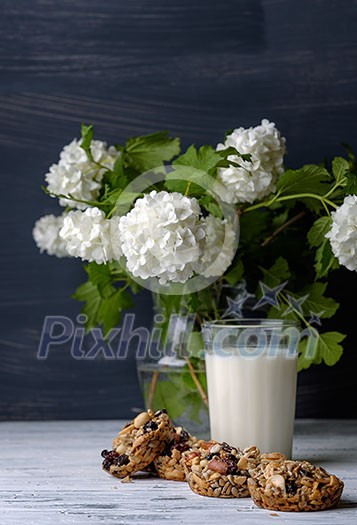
<point>142,215</point>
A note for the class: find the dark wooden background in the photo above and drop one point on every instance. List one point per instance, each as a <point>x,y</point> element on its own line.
<point>136,66</point>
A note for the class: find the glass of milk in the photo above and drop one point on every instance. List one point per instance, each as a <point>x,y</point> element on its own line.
<point>251,378</point>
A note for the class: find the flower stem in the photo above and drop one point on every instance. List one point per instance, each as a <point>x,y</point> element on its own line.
<point>264,204</point>
<point>154,379</point>
<point>196,381</point>
<point>277,198</point>
<point>282,227</point>
<point>301,316</point>
<point>321,198</point>
<point>334,188</point>
<point>188,188</point>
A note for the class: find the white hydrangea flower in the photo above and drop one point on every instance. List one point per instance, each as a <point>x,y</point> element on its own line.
<point>343,234</point>
<point>256,179</point>
<point>46,235</point>
<point>78,176</point>
<point>161,236</point>
<point>217,248</point>
<point>87,235</point>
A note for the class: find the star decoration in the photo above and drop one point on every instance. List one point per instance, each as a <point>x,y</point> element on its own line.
<point>234,308</point>
<point>295,304</point>
<point>316,318</point>
<point>270,295</point>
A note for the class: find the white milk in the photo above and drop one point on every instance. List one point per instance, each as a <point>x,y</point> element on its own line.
<point>252,400</point>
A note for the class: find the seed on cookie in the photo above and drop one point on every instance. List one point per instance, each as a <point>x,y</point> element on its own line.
<point>138,443</point>
<point>168,465</point>
<point>286,485</point>
<point>212,469</point>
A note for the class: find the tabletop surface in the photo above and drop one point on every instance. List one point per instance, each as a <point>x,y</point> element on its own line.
<point>51,474</point>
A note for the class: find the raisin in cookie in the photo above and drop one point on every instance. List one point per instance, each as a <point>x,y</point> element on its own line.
<point>219,470</point>
<point>138,443</point>
<point>293,486</point>
<point>168,465</point>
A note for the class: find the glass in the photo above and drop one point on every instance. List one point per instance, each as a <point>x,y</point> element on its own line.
<point>251,369</point>
<point>169,374</point>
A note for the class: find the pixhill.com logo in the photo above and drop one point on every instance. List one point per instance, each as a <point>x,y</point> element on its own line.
<point>175,340</point>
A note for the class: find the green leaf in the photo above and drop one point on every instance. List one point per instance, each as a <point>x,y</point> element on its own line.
<point>110,309</point>
<point>103,302</point>
<point>170,303</point>
<point>208,159</point>
<point>282,313</point>
<point>325,261</point>
<point>195,407</point>
<point>99,275</point>
<point>254,226</point>
<point>201,302</point>
<point>280,219</point>
<point>115,180</point>
<point>308,179</point>
<point>317,303</point>
<point>194,171</point>
<point>339,168</point>
<point>189,181</point>
<point>205,159</point>
<point>120,180</point>
<point>329,349</point>
<point>318,348</point>
<point>110,197</point>
<point>122,201</point>
<point>308,350</point>
<point>198,169</point>
<point>150,151</point>
<point>195,344</point>
<point>210,205</point>
<point>277,274</point>
<point>169,395</point>
<point>228,132</point>
<point>229,152</point>
<point>87,137</point>
<point>316,235</point>
<point>236,273</point>
<point>89,294</point>
<point>351,183</point>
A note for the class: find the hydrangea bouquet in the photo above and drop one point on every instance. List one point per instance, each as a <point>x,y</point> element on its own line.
<point>142,215</point>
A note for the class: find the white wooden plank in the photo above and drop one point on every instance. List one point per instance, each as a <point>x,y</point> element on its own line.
<point>50,474</point>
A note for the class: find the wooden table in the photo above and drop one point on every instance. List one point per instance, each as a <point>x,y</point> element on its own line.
<point>51,474</point>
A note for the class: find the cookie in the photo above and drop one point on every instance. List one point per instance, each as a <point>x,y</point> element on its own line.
<point>219,470</point>
<point>138,443</point>
<point>168,465</point>
<point>294,486</point>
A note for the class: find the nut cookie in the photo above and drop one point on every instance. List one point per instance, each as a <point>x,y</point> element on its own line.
<point>168,465</point>
<point>138,443</point>
<point>219,470</point>
<point>293,486</point>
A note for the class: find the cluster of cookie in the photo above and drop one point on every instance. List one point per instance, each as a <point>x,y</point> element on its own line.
<point>150,442</point>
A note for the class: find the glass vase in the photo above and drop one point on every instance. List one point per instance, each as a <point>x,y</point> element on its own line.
<point>172,374</point>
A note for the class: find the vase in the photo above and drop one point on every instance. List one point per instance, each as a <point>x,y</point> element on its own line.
<point>172,374</point>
